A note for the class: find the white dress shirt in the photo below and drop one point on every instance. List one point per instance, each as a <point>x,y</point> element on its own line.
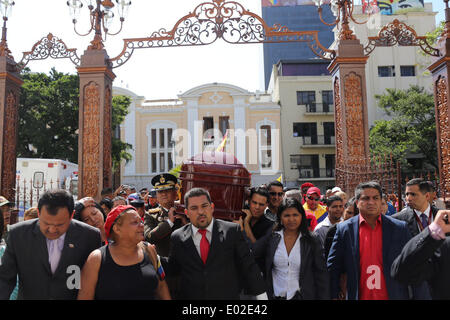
<point>197,237</point>
<point>427,212</point>
<point>286,269</point>
<point>55,248</point>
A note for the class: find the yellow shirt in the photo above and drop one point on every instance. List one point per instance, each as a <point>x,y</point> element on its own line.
<point>319,213</point>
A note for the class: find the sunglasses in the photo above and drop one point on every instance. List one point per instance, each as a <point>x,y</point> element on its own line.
<point>280,194</point>
<point>312,198</point>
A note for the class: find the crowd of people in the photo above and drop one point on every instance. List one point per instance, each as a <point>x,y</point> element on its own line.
<point>288,244</point>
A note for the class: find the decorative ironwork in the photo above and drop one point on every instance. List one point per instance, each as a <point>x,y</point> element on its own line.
<point>354,118</point>
<point>444,134</point>
<point>91,140</point>
<point>399,33</point>
<point>100,16</point>
<point>49,46</point>
<point>107,144</point>
<point>339,138</point>
<point>343,10</point>
<point>9,147</point>
<point>220,19</point>
<point>374,168</point>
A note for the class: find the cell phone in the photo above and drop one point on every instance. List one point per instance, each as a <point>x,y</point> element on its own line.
<point>446,219</point>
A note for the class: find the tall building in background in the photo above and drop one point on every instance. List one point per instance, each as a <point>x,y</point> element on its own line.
<point>297,15</point>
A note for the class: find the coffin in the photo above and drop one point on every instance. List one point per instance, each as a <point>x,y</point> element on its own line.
<point>226,179</point>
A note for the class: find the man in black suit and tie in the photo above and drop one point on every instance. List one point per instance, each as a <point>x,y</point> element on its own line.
<point>426,257</point>
<point>211,255</point>
<point>419,213</point>
<point>47,253</point>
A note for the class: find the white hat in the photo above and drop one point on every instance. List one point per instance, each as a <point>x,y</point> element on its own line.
<point>336,189</point>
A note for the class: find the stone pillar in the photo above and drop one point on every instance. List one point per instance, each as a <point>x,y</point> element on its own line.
<point>440,70</point>
<point>351,119</point>
<point>10,84</point>
<point>94,142</point>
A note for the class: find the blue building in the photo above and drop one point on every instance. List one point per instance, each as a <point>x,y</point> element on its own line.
<point>296,18</point>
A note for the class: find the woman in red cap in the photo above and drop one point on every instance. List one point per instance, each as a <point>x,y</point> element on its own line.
<point>125,268</point>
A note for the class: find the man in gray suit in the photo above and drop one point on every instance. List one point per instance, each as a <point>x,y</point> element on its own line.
<point>47,253</point>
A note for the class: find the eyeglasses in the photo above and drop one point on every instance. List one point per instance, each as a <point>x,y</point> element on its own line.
<point>312,198</point>
<point>273,194</point>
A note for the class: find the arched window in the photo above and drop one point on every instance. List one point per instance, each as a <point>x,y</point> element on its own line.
<point>265,130</point>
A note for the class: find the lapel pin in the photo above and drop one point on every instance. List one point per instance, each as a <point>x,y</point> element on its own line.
<point>71,245</point>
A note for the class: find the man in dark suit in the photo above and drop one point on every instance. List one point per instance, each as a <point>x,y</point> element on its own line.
<point>419,213</point>
<point>364,248</point>
<point>211,255</point>
<point>426,257</point>
<point>47,253</point>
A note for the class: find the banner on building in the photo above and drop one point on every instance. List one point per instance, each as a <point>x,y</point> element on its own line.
<point>390,7</point>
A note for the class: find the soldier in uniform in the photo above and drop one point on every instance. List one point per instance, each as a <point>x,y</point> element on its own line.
<point>159,223</point>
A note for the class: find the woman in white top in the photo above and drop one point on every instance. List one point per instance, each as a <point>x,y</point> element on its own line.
<point>295,266</point>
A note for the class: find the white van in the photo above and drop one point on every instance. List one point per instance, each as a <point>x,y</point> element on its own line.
<point>35,176</point>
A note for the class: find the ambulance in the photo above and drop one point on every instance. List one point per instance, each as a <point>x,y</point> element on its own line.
<point>35,176</point>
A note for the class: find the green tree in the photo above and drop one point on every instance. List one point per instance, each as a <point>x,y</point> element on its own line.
<point>48,118</point>
<point>120,149</point>
<point>432,36</point>
<point>411,130</point>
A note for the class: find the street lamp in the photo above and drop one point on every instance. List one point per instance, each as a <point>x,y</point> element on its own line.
<point>5,10</point>
<point>101,17</point>
<point>343,10</point>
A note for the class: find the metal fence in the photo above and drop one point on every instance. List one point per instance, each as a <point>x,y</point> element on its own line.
<point>28,192</point>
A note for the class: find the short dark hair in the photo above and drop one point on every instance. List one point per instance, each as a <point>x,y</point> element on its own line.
<point>261,191</point>
<point>107,202</point>
<point>196,192</point>
<point>330,200</point>
<point>352,202</point>
<point>293,203</point>
<point>274,183</point>
<point>367,185</point>
<point>424,186</point>
<point>107,191</point>
<point>56,199</point>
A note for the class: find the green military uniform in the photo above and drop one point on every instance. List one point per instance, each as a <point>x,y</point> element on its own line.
<point>157,229</point>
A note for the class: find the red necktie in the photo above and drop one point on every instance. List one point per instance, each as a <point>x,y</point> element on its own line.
<point>204,245</point>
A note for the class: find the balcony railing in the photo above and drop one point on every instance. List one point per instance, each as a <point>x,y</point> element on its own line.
<point>313,107</point>
<point>305,173</point>
<point>318,140</point>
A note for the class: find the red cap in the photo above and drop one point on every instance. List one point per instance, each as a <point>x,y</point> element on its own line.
<point>313,190</point>
<point>112,217</point>
<point>306,185</point>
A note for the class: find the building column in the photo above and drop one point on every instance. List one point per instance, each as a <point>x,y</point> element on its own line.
<point>440,70</point>
<point>240,129</point>
<point>94,151</point>
<point>10,84</point>
<point>351,119</point>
